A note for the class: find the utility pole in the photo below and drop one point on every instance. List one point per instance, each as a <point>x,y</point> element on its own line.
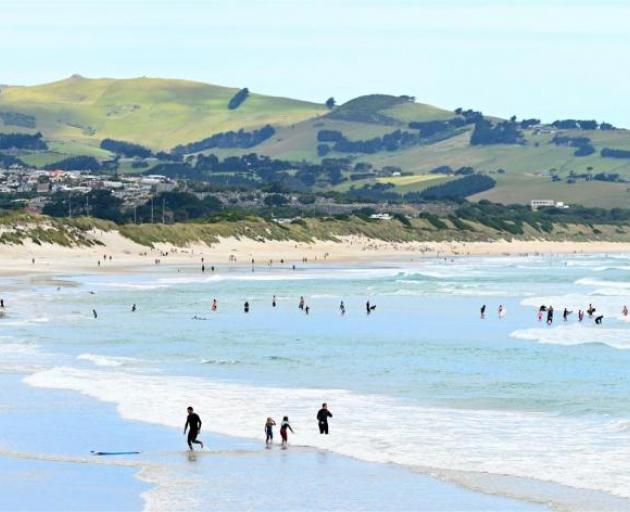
<point>135,214</point>
<point>163,211</point>
<point>151,210</point>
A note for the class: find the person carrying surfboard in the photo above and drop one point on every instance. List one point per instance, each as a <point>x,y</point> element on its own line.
<point>193,425</point>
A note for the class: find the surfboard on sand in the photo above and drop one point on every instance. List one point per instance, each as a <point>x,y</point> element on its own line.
<point>114,453</point>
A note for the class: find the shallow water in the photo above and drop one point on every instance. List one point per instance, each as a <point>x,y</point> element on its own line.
<point>421,382</point>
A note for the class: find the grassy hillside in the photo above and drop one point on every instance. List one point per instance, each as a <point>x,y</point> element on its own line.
<point>75,114</point>
<point>156,112</point>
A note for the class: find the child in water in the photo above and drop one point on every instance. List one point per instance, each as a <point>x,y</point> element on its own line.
<point>214,305</point>
<point>284,427</point>
<point>269,431</point>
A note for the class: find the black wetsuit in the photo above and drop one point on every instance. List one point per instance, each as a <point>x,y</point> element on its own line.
<point>322,420</point>
<point>193,422</point>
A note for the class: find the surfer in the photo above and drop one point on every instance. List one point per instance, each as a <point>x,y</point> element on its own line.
<point>284,434</point>
<point>269,431</point>
<point>483,311</point>
<point>193,425</point>
<point>322,419</point>
<point>549,315</point>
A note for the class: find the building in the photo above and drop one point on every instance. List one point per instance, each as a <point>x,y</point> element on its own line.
<point>541,203</point>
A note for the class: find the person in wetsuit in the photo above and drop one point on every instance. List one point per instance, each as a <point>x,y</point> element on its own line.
<point>322,419</point>
<point>598,319</point>
<point>483,311</point>
<point>193,425</point>
<point>246,307</point>
<point>549,315</point>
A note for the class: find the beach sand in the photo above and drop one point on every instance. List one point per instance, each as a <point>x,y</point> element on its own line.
<point>31,258</point>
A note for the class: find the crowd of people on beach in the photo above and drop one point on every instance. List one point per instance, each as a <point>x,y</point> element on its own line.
<point>192,427</point>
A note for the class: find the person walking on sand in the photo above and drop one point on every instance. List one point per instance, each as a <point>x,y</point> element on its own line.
<point>284,434</point>
<point>269,432</point>
<point>322,418</point>
<point>193,425</point>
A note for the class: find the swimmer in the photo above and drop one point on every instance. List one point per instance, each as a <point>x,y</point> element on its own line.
<point>284,434</point>
<point>270,423</point>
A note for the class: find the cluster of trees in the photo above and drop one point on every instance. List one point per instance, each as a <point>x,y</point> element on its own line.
<point>9,160</point>
<point>615,153</point>
<point>446,169</point>
<point>583,144</point>
<point>238,99</point>
<point>128,149</point>
<point>99,203</point>
<point>389,142</point>
<point>76,163</point>
<point>456,189</point>
<point>18,119</point>
<point>581,124</point>
<point>528,123</point>
<point>505,132</point>
<point>376,193</point>
<point>430,128</point>
<point>231,139</point>
<point>22,141</point>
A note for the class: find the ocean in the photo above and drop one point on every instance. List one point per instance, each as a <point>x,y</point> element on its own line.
<point>503,405</point>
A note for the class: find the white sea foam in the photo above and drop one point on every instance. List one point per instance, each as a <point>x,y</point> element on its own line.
<point>621,285</point>
<point>136,286</point>
<point>583,452</point>
<point>577,334</point>
<point>100,360</point>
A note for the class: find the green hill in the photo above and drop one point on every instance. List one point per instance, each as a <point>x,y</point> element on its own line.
<point>75,114</point>
<point>155,112</point>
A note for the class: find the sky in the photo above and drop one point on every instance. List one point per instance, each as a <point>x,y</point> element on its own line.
<point>532,58</point>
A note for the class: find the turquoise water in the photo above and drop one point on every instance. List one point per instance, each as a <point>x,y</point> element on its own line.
<point>422,382</point>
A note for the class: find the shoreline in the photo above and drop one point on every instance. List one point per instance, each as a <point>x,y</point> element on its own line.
<point>127,256</point>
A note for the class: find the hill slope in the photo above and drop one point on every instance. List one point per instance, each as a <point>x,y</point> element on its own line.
<point>156,112</point>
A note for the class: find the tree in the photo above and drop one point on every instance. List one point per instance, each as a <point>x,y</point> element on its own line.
<point>330,103</point>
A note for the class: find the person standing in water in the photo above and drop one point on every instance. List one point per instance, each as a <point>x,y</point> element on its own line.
<point>273,302</point>
<point>193,425</point>
<point>342,308</point>
<point>549,315</point>
<point>501,311</point>
<point>214,305</point>
<point>284,434</point>
<point>624,311</point>
<point>565,314</point>
<point>301,303</point>
<point>246,307</point>
<point>322,418</point>
<point>269,431</point>
<point>483,311</point>
<point>94,313</point>
<point>133,308</point>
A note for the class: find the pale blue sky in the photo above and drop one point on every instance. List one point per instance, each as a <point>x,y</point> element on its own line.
<point>548,59</point>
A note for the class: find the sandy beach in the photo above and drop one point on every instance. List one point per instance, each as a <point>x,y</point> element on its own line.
<point>30,258</point>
